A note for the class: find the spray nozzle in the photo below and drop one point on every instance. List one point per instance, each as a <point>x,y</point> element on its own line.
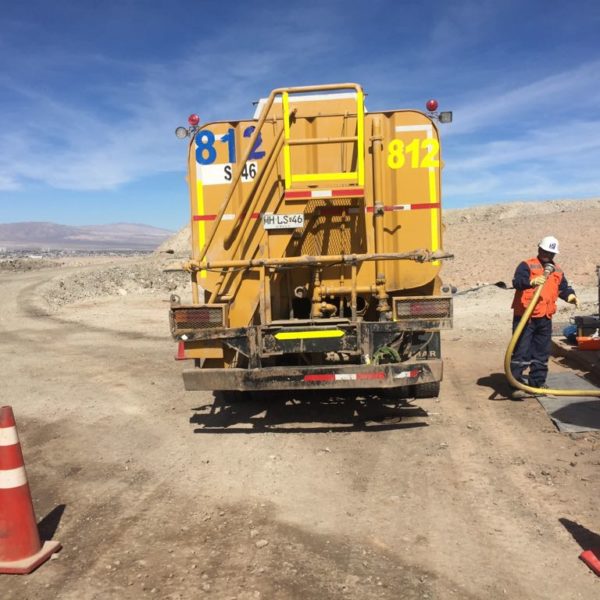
<point>549,268</point>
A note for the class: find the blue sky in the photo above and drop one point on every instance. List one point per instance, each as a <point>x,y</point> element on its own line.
<point>91,92</point>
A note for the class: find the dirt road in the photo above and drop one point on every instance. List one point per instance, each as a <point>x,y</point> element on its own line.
<point>159,493</point>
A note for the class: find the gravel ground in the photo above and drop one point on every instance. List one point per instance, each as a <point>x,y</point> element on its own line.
<point>159,493</point>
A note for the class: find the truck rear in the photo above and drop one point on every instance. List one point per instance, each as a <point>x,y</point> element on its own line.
<point>316,248</point>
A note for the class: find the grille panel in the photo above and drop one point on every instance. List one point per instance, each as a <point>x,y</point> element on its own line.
<point>186,319</point>
<point>416,308</point>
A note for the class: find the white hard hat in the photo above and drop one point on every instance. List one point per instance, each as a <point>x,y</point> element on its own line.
<point>549,243</point>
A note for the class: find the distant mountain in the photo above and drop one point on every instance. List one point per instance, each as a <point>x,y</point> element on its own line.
<point>116,236</point>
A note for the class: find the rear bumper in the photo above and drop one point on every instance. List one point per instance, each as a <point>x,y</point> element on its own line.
<point>314,377</point>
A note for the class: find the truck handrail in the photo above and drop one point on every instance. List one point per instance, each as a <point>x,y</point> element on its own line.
<point>263,117</point>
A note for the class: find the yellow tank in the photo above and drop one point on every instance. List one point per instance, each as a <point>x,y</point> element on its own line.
<point>316,247</point>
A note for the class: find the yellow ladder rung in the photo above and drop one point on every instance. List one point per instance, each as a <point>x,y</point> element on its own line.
<point>331,140</point>
<point>323,176</point>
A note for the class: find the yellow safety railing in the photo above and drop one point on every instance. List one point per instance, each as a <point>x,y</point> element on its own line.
<point>252,197</point>
<point>359,175</point>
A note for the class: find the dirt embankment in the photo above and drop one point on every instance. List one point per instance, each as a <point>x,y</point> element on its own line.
<point>489,241</point>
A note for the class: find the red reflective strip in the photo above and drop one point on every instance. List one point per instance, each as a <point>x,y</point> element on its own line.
<point>11,457</point>
<point>336,193</point>
<point>378,375</point>
<point>348,192</point>
<point>180,351</point>
<point>425,206</point>
<point>297,194</point>
<point>324,377</point>
<point>402,207</point>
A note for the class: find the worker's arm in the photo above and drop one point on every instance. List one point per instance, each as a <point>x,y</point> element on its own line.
<point>565,290</point>
<point>567,293</point>
<point>521,280</point>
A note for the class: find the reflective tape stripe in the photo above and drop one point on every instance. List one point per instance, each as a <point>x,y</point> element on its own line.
<point>378,375</point>
<point>325,377</point>
<point>226,217</point>
<point>344,376</point>
<point>321,194</point>
<point>307,335</point>
<point>8,436</point>
<point>324,210</point>
<point>425,127</point>
<point>329,193</point>
<point>12,478</point>
<point>403,207</point>
<point>407,374</point>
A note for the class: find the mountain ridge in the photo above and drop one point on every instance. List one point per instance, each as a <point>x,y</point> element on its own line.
<point>110,236</point>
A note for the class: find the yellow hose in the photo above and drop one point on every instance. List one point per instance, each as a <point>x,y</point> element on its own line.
<point>511,348</point>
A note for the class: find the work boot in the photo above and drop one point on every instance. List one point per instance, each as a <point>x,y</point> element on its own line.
<point>518,394</point>
<point>543,386</point>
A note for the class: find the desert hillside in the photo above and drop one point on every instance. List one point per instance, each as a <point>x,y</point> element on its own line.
<point>489,241</point>
<point>35,234</point>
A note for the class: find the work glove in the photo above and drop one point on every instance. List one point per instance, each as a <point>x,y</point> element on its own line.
<point>573,299</point>
<point>539,280</point>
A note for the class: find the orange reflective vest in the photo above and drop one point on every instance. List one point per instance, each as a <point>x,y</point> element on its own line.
<point>546,305</point>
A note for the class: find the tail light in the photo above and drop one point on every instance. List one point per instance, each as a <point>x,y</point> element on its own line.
<point>185,320</point>
<point>425,312</point>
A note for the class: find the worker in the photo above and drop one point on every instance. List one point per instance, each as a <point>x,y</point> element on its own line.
<point>533,346</point>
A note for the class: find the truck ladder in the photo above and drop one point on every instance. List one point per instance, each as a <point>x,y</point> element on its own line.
<point>353,181</point>
<point>354,178</point>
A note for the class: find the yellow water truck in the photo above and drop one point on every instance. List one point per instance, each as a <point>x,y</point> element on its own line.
<point>316,247</point>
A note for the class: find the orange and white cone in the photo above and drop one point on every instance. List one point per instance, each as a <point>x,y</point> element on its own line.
<point>592,559</point>
<point>21,550</point>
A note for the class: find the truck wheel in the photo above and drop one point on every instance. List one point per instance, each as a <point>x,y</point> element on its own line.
<point>427,390</point>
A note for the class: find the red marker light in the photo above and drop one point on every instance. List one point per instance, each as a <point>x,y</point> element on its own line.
<point>431,105</point>
<point>193,120</point>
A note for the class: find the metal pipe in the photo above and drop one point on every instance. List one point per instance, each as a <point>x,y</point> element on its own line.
<point>383,305</point>
<point>347,290</point>
<point>417,255</point>
<point>315,310</point>
<point>353,291</point>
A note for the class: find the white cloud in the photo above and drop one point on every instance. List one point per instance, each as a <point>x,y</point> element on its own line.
<point>128,133</point>
<point>539,99</point>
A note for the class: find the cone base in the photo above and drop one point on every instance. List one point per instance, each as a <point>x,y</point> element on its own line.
<point>26,565</point>
<point>592,559</point>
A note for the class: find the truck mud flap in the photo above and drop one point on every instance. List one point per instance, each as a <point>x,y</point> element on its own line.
<point>318,377</point>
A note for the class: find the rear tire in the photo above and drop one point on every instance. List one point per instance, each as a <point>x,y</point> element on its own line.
<point>427,390</point>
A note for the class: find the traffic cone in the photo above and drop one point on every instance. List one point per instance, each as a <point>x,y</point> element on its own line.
<point>21,550</point>
<point>592,559</point>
